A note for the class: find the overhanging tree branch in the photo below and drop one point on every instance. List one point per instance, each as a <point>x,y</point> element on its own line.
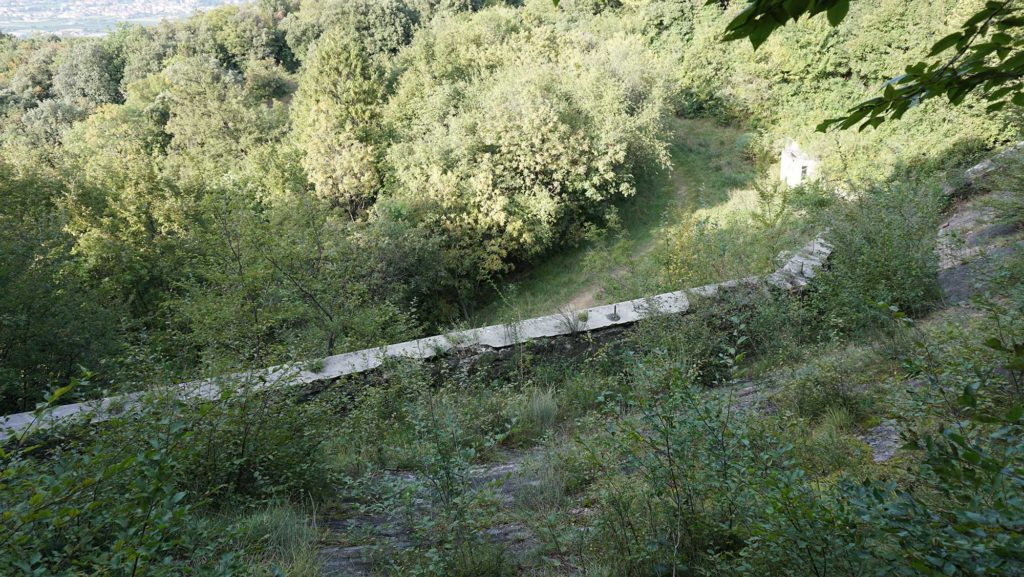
<point>988,58</point>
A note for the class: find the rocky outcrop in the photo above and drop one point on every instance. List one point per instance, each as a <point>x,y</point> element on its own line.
<point>972,244</point>
<point>355,542</point>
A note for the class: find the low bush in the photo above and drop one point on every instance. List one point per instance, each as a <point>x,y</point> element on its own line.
<point>687,492</point>
<point>449,527</point>
<point>282,540</point>
<point>886,241</point>
<point>705,345</point>
<point>106,508</point>
<point>824,388</point>
<point>138,494</point>
<point>537,414</point>
<point>698,489</point>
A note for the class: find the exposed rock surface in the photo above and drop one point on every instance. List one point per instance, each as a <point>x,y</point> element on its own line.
<point>357,541</point>
<point>884,440</point>
<point>971,244</point>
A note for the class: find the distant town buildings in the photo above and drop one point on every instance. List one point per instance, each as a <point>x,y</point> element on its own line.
<point>92,17</point>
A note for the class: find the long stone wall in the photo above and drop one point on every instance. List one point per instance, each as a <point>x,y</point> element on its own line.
<point>795,274</point>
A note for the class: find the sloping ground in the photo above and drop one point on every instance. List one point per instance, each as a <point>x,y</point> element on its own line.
<point>368,537</point>
<point>365,539</point>
<point>972,243</point>
<point>794,274</point>
<point>973,246</point>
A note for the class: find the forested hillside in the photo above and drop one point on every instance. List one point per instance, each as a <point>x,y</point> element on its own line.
<point>291,179</point>
<point>285,180</point>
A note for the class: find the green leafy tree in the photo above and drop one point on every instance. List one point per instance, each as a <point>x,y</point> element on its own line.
<point>335,119</point>
<point>141,51</point>
<point>213,121</point>
<point>985,56</point>
<point>281,281</point>
<point>87,76</point>
<point>45,124</point>
<point>33,79</point>
<point>238,34</point>
<point>52,319</point>
<point>506,158</point>
<point>381,26</point>
<point>126,218</point>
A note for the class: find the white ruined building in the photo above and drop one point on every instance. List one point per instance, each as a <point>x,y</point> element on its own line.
<point>796,166</point>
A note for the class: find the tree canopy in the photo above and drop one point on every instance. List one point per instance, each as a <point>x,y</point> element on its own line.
<point>985,56</point>
<point>294,178</point>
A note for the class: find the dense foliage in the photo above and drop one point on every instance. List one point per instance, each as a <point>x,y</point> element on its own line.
<point>291,173</point>
<point>984,56</point>
<point>289,179</point>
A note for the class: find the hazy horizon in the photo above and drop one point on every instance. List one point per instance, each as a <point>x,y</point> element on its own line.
<point>93,17</point>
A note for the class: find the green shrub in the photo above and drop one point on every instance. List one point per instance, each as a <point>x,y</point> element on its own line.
<point>537,414</point>
<point>706,345</point>
<point>378,429</point>
<point>253,446</point>
<point>101,507</point>
<point>449,531</point>
<point>547,490</point>
<point>830,448</point>
<point>1008,182</point>
<point>689,491</point>
<point>885,253</point>
<point>136,495</point>
<point>825,388</point>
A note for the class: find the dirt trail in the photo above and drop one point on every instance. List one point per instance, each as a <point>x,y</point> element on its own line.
<point>588,295</point>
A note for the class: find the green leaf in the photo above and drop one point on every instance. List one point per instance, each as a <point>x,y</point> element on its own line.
<point>971,456</point>
<point>61,392</point>
<point>980,16</point>
<point>968,399</point>
<point>999,93</point>
<point>742,18</point>
<point>1015,413</point>
<point>1012,22</point>
<point>838,11</point>
<point>994,343</point>
<point>945,43</point>
<point>872,122</point>
<point>761,33</point>
<point>795,8</point>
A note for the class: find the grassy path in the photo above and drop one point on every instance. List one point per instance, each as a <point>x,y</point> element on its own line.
<point>710,170</point>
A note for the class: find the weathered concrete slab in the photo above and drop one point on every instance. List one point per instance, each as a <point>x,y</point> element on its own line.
<point>793,275</point>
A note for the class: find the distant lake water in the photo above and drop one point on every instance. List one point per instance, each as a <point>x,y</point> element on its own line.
<point>93,17</point>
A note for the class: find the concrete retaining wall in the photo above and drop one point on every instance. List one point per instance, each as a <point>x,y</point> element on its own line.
<point>792,276</point>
